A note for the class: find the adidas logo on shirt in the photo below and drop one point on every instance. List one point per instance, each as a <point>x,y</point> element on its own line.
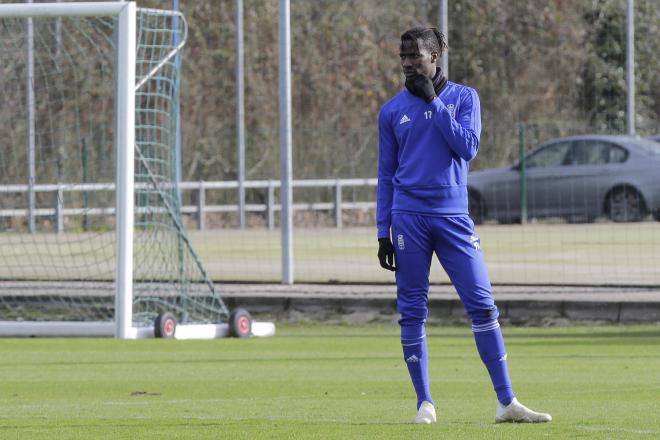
<point>404,119</point>
<point>413,358</point>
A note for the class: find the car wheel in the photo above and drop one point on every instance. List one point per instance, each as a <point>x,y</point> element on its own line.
<point>625,205</point>
<point>476,208</point>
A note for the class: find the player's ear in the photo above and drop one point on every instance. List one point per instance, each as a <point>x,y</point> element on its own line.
<point>434,56</point>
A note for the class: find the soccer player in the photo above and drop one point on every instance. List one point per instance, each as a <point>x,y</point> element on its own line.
<point>427,135</point>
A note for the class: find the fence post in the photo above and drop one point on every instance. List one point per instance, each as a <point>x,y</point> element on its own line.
<point>270,205</point>
<point>523,176</point>
<point>338,207</point>
<point>59,208</point>
<point>201,205</point>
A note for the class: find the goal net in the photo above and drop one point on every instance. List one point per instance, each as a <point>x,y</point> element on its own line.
<point>90,224</point>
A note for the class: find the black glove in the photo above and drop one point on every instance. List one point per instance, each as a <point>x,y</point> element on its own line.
<point>386,254</point>
<point>421,86</point>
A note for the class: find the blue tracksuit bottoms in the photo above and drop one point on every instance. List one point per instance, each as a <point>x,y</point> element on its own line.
<point>453,240</point>
<point>416,238</point>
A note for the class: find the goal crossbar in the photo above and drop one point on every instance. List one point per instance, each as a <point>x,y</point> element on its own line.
<point>82,9</point>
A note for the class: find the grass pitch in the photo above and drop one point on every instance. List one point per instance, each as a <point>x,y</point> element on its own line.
<point>598,253</point>
<point>318,382</point>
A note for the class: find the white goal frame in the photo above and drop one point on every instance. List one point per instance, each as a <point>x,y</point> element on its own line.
<point>122,327</point>
<point>124,138</point>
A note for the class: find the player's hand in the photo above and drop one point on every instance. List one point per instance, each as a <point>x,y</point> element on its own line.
<point>386,254</point>
<point>421,86</point>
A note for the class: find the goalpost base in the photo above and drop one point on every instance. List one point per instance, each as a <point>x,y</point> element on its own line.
<point>107,329</point>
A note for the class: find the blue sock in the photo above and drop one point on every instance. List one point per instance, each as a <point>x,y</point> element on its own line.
<point>413,342</point>
<point>490,345</point>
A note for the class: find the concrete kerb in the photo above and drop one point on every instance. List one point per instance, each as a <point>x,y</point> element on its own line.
<point>360,303</point>
<point>518,305</point>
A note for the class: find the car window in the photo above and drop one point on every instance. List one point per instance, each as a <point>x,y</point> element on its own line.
<point>549,156</point>
<point>617,154</point>
<point>594,152</point>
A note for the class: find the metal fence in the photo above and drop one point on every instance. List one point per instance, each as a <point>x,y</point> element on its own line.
<point>58,211</point>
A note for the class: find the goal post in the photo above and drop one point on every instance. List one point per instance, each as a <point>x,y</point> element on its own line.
<point>125,140</point>
<point>105,90</point>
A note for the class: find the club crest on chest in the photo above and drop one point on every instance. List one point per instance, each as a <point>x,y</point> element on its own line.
<point>452,110</point>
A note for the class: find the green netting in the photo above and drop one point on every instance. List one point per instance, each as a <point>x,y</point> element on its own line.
<point>57,198</point>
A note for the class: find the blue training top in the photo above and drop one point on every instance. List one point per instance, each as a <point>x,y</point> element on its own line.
<point>424,150</point>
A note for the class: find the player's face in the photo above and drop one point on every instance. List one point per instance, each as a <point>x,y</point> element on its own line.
<point>415,59</point>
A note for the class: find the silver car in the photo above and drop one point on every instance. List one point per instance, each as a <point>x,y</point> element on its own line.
<point>577,178</point>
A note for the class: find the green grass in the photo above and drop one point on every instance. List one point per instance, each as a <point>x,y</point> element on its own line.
<point>319,382</point>
<point>598,253</point>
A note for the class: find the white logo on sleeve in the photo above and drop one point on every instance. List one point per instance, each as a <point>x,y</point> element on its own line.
<point>404,119</point>
<point>452,110</point>
<point>413,358</point>
<point>399,240</point>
